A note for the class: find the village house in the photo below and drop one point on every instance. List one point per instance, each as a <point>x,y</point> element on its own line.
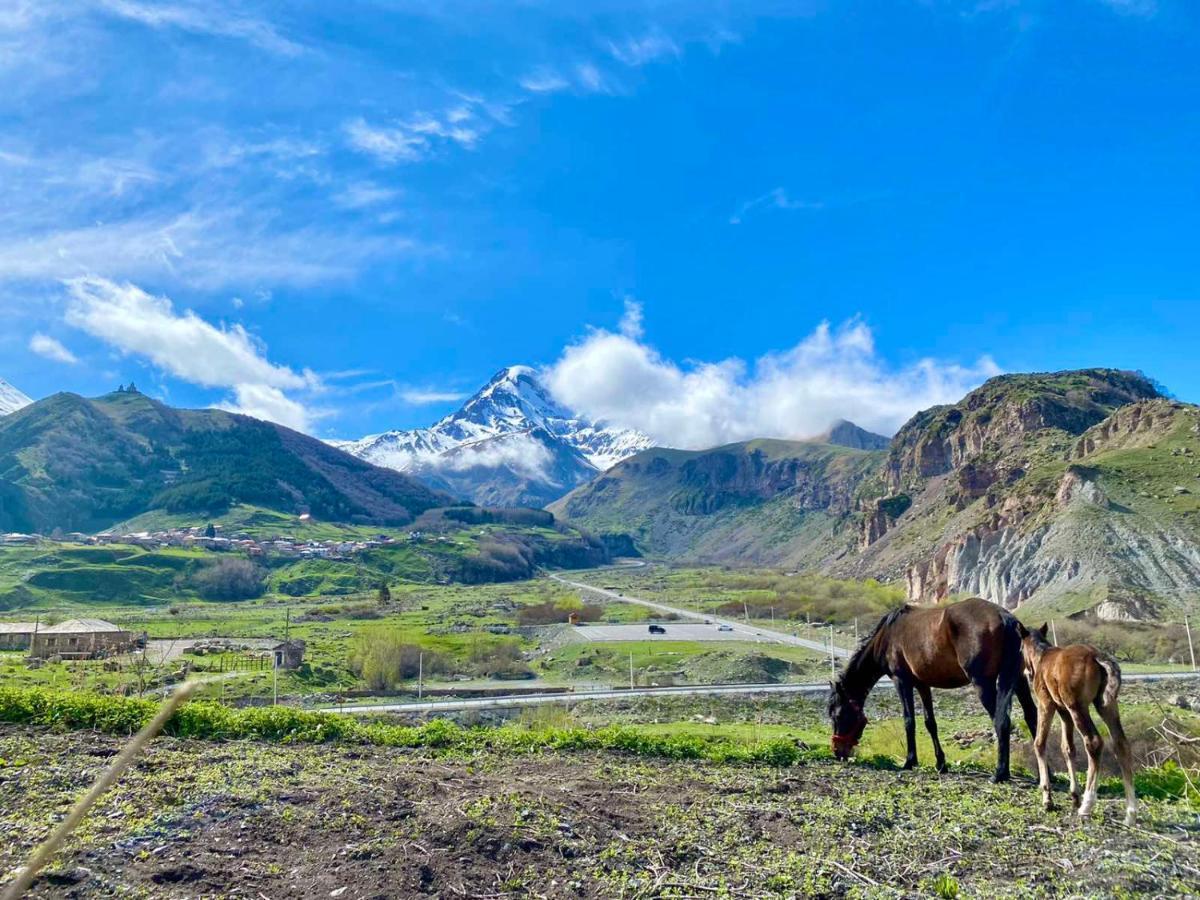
<point>16,635</point>
<point>289,654</point>
<point>82,639</point>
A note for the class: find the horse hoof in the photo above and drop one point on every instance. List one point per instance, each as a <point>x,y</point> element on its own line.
<point>1074,801</point>
<point>1000,778</point>
<point>1130,819</point>
<point>942,768</point>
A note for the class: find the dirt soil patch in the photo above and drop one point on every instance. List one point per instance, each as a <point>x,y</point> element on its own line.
<point>199,819</point>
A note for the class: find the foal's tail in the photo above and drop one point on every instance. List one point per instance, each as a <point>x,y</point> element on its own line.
<point>1112,680</point>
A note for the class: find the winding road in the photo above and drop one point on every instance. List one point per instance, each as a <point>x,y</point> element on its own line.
<point>749,632</point>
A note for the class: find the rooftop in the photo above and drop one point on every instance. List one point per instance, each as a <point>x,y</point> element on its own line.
<point>81,626</point>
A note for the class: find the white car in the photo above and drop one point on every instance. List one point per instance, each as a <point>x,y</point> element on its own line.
<point>724,628</point>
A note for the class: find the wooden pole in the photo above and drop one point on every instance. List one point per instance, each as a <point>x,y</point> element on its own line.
<point>1191,647</point>
<point>1054,632</point>
<point>631,670</point>
<point>420,674</point>
<point>832,658</point>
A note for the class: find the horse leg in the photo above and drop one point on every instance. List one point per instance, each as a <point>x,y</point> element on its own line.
<point>1094,744</point>
<point>1039,749</point>
<point>904,687</point>
<point>931,724</point>
<point>1112,718</point>
<point>997,700</point>
<point>1068,752</point>
<point>1029,706</point>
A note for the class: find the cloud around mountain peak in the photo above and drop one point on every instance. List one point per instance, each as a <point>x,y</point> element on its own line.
<point>832,373</point>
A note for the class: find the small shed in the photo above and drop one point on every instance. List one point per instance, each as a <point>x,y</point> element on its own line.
<point>82,639</point>
<point>289,654</point>
<point>16,635</point>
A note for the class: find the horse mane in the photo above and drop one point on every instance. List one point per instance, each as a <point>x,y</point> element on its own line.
<point>887,621</point>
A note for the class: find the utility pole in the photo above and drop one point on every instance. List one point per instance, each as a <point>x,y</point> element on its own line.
<point>287,624</point>
<point>832,658</point>
<point>1054,632</point>
<point>420,674</point>
<point>856,631</point>
<point>745,610</point>
<point>631,670</point>
<point>275,679</point>
<point>1191,647</point>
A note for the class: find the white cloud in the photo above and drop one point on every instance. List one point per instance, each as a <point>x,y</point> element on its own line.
<point>44,345</point>
<point>362,194</point>
<point>188,347</point>
<point>544,81</point>
<point>642,50</point>
<point>776,198</point>
<point>205,250</point>
<point>591,79</point>
<point>204,18</point>
<point>265,402</point>
<point>831,374</point>
<point>419,397</point>
<point>415,138</point>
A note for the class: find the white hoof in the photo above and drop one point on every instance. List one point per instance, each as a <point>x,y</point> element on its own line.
<point>1130,817</point>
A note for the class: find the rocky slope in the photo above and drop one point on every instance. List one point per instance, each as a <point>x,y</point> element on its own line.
<point>512,444</point>
<point>77,464</point>
<point>1072,491</point>
<point>11,399</point>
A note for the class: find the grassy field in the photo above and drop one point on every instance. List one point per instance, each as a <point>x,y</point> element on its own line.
<point>600,802</point>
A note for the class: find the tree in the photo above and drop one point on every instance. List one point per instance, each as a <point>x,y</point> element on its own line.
<point>385,594</point>
<point>210,531</point>
<point>229,579</point>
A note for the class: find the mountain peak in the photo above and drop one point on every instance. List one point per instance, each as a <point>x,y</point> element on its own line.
<point>511,442</point>
<point>844,433</point>
<point>11,399</point>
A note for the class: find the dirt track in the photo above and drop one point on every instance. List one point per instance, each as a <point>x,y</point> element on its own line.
<point>256,820</point>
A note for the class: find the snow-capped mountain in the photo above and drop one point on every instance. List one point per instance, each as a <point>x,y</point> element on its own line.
<point>11,399</point>
<point>510,444</point>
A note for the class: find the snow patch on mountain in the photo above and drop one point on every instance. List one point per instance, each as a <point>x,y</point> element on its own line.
<point>11,399</point>
<point>512,440</point>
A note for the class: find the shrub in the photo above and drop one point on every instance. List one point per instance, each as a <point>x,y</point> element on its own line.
<point>384,661</point>
<point>229,579</point>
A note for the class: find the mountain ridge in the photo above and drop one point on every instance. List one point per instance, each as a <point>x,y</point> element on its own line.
<point>82,464</point>
<point>1073,490</point>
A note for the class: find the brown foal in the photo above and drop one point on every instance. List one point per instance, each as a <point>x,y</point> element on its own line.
<point>1066,680</point>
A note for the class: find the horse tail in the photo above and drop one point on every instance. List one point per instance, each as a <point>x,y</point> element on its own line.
<point>1112,680</point>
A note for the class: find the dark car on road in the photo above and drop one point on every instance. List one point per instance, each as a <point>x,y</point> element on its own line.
<point>657,629</point>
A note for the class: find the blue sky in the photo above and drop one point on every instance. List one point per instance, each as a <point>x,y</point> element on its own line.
<point>345,216</point>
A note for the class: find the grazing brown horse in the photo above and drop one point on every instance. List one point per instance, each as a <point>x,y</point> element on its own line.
<point>1067,680</point>
<point>970,642</point>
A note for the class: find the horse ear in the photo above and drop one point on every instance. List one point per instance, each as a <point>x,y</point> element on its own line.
<point>1045,629</point>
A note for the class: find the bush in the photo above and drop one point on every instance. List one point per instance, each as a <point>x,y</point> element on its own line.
<point>556,612</point>
<point>384,661</point>
<point>229,579</point>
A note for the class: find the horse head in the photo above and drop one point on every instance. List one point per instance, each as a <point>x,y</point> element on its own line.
<point>848,720</point>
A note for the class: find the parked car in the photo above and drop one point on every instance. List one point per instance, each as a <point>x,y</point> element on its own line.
<point>724,628</point>
<point>657,629</point>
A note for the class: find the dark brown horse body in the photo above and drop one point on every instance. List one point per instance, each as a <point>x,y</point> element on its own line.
<point>920,648</point>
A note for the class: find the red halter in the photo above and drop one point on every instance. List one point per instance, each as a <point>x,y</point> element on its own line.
<point>847,741</point>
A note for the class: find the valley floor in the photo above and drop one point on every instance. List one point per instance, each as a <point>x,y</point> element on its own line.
<point>269,821</point>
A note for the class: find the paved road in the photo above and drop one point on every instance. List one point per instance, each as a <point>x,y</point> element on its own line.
<point>675,631</point>
<point>813,688</point>
<point>743,631</point>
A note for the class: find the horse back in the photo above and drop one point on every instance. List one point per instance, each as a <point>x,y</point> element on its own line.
<point>951,646</point>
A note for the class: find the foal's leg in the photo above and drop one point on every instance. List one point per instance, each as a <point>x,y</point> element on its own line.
<point>904,687</point>
<point>1039,749</point>
<point>1112,719</point>
<point>1094,744</point>
<point>931,724</point>
<point>1068,752</point>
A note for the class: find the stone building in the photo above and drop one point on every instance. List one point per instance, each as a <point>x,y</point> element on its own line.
<point>16,635</point>
<point>82,639</point>
<point>289,654</point>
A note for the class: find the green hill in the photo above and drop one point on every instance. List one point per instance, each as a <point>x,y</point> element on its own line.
<point>82,465</point>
